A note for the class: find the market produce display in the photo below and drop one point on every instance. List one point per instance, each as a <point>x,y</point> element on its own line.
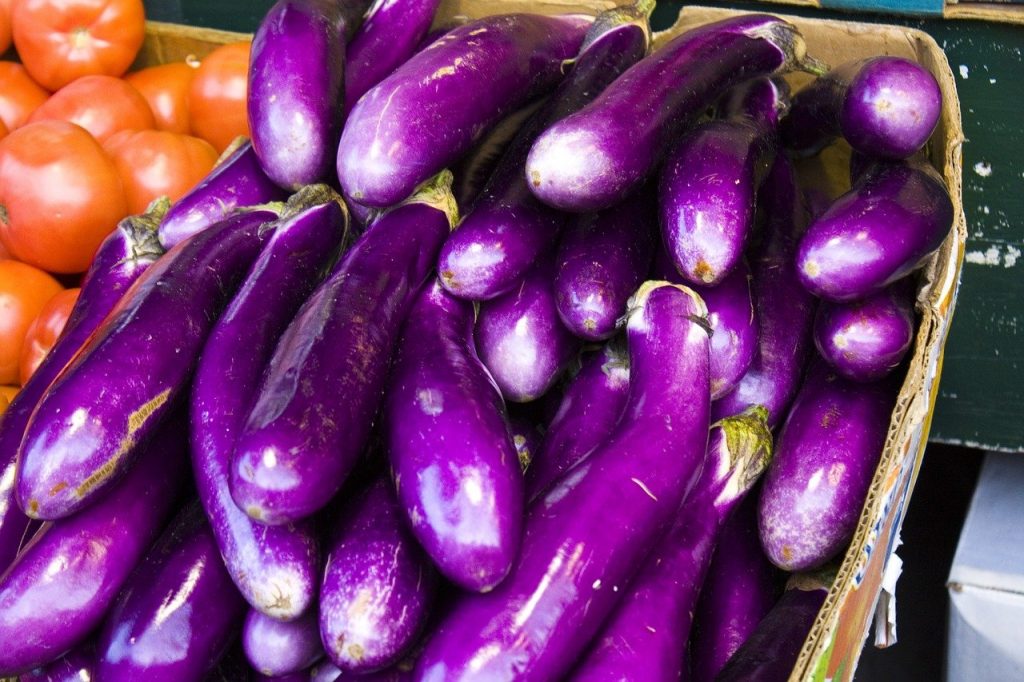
<point>504,349</point>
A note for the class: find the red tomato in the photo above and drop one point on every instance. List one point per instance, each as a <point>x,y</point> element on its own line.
<point>5,25</point>
<point>44,331</point>
<point>3,129</point>
<point>7,394</point>
<point>24,290</point>
<point>216,98</point>
<point>165,87</point>
<point>19,95</point>
<point>62,40</point>
<point>60,196</point>
<point>103,105</point>
<point>4,402</point>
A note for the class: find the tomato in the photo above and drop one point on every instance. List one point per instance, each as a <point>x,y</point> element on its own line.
<point>3,129</point>
<point>9,392</point>
<point>103,105</point>
<point>19,95</point>
<point>153,163</point>
<point>216,98</point>
<point>24,290</point>
<point>5,25</point>
<point>4,402</point>
<point>44,331</point>
<point>62,40</point>
<point>60,196</point>
<point>165,87</point>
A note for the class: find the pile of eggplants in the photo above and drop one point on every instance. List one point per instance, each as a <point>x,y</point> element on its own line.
<point>506,445</point>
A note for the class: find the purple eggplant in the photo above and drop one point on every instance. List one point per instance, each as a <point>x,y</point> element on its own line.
<point>645,637</point>
<point>527,433</point>
<point>88,428</point>
<point>44,611</point>
<point>826,455</point>
<point>594,158</point>
<point>178,613</point>
<point>301,439</point>
<point>78,665</point>
<point>884,106</point>
<point>275,647</point>
<point>122,257</point>
<point>586,537</point>
<point>433,108</point>
<point>275,568</point>
<point>235,182</point>
<point>771,652</point>
<point>587,414</point>
<point>762,100</point>
<point>783,308</point>
<point>508,229</point>
<point>521,339</point>
<point>377,587</point>
<point>867,339</point>
<point>601,261</point>
<point>881,230</point>
<point>454,462</point>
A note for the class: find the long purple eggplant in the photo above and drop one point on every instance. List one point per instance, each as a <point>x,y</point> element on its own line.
<point>236,182</point>
<point>78,665</point>
<point>275,568</point>
<point>44,612</point>
<point>275,647</point>
<point>764,101</point>
<point>454,461</point>
<point>881,230</point>
<point>826,455</point>
<point>884,106</point>
<point>586,538</point>
<point>646,636</point>
<point>122,257</point>
<point>178,613</point>
<point>508,229</point>
<point>521,338</point>
<point>301,439</point>
<point>594,158</point>
<point>587,414</point>
<point>377,587</point>
<point>433,108</point>
<point>601,261</point>
<point>88,428</point>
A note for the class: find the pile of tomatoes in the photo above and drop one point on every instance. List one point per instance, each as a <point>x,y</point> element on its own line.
<point>83,144</point>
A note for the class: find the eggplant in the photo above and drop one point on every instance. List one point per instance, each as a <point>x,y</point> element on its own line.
<point>178,613</point>
<point>601,261</point>
<point>587,414</point>
<point>43,612</point>
<point>508,229</point>
<point>300,440</point>
<point>521,339</point>
<point>275,568</point>
<point>276,648</point>
<point>774,647</point>
<point>586,537</point>
<point>432,109</point>
<point>527,433</point>
<point>594,158</point>
<point>867,339</point>
<point>78,665</point>
<point>377,587</point>
<point>645,637</point>
<point>880,231</point>
<point>886,107</point>
<point>88,428</point>
<point>237,181</point>
<point>824,461</point>
<point>455,465</point>
<point>122,257</point>
<point>783,308</point>
<point>764,101</point>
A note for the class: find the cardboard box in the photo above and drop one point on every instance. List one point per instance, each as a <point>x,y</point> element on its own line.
<point>1001,10</point>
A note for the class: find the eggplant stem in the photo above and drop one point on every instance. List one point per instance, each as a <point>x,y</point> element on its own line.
<point>812,65</point>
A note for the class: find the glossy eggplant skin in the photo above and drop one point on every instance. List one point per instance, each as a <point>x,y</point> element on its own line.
<point>827,453</point>
<point>274,647</point>
<point>235,182</point>
<point>764,101</point>
<point>122,257</point>
<point>104,404</point>
<point>97,549</point>
<point>432,109</point>
<point>878,232</point>
<point>78,665</point>
<point>866,340</point>
<point>275,568</point>
<point>594,158</point>
<point>297,446</point>
<point>521,339</point>
<point>178,612</point>
<point>378,585</point>
<point>586,537</point>
<point>445,425</point>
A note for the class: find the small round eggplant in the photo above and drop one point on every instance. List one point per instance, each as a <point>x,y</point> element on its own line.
<point>274,647</point>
